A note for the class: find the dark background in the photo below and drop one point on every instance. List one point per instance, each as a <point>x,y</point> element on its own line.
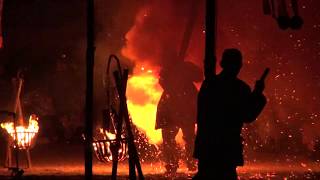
<point>46,38</point>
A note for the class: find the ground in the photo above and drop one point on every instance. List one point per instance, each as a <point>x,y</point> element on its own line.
<point>65,161</point>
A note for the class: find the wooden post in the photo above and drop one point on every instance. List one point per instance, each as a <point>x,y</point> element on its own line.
<point>28,158</point>
<point>194,12</point>
<point>89,90</point>
<point>210,41</point>
<point>119,85</point>
<point>134,162</point>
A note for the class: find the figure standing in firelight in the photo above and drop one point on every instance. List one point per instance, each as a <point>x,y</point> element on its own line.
<point>225,103</point>
<point>177,110</point>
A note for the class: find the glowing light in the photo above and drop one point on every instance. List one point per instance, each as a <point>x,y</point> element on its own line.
<point>103,147</point>
<point>23,135</point>
<point>143,94</point>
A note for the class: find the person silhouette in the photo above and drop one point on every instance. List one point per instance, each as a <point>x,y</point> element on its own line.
<point>225,103</point>
<point>177,110</point>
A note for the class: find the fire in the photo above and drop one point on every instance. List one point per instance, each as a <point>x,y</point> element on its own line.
<point>23,135</point>
<point>143,95</point>
<point>108,135</point>
<point>103,147</point>
<point>147,43</point>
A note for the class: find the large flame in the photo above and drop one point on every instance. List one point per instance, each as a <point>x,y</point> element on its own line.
<point>143,94</point>
<point>148,41</point>
<point>23,135</point>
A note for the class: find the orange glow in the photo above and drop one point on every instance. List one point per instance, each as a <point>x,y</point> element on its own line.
<point>23,135</point>
<point>144,91</point>
<point>143,94</point>
<point>103,147</point>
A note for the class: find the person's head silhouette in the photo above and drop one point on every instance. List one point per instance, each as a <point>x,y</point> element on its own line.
<point>231,62</point>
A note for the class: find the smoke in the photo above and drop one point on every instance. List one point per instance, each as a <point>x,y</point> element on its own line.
<point>155,40</point>
<point>292,56</point>
<point>158,31</point>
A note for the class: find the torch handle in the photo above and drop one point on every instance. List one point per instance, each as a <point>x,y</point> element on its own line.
<point>265,74</point>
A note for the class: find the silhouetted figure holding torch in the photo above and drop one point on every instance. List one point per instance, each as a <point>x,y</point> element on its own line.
<point>225,103</point>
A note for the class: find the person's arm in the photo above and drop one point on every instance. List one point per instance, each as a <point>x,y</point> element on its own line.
<point>256,101</point>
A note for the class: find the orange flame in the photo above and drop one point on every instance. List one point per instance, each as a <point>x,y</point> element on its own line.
<point>143,95</point>
<point>103,148</point>
<point>146,47</point>
<point>23,135</point>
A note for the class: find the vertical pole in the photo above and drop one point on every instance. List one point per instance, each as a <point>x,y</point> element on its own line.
<point>29,158</point>
<point>210,41</point>
<point>89,90</point>
<point>16,149</point>
<point>119,84</point>
<point>194,12</point>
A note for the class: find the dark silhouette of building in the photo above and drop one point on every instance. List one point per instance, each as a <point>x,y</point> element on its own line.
<point>177,109</point>
<point>225,103</point>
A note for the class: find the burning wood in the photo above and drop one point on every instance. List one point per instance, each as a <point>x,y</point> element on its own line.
<point>106,145</point>
<point>24,136</point>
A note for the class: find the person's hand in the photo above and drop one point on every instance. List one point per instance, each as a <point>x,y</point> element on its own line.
<point>259,86</point>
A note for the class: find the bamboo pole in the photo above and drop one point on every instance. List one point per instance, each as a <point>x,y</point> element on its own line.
<point>115,161</point>
<point>194,12</point>
<point>134,162</point>
<point>89,90</point>
<point>210,41</point>
<point>17,83</point>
